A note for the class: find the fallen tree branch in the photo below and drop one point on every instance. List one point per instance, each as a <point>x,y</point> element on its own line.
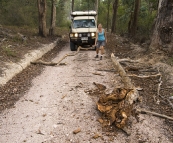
<point>56,63</point>
<point>129,60</point>
<point>154,113</point>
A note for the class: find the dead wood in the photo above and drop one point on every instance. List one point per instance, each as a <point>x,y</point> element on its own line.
<point>56,63</point>
<point>126,80</point>
<point>44,63</point>
<point>117,106</point>
<point>154,113</point>
<point>77,131</point>
<point>99,86</point>
<point>170,103</point>
<point>111,70</point>
<point>95,73</point>
<point>7,34</point>
<point>159,85</point>
<point>144,76</point>
<point>128,60</point>
<point>131,69</point>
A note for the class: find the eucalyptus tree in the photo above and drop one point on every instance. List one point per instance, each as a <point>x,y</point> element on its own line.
<point>42,8</point>
<point>72,5</point>
<point>114,18</point>
<point>53,17</point>
<point>133,26</point>
<point>163,31</point>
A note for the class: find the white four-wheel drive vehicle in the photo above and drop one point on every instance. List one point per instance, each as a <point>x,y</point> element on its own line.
<point>83,29</point>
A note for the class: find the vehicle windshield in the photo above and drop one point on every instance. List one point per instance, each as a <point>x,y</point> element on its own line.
<point>85,23</point>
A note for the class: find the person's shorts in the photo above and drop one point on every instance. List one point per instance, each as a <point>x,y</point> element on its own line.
<point>100,43</point>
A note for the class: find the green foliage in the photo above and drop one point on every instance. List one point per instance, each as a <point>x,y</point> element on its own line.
<point>19,12</point>
<point>147,14</point>
<point>84,5</point>
<point>25,12</point>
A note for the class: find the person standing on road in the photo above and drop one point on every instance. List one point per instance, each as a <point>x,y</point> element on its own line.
<point>101,40</point>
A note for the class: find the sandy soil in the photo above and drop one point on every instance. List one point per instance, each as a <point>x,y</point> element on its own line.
<point>58,103</point>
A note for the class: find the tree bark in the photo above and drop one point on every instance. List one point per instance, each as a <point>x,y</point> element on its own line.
<point>96,8</point>
<point>72,6</point>
<point>163,32</point>
<point>133,27</point>
<point>114,19</point>
<point>53,18</point>
<point>42,8</point>
<point>108,14</point>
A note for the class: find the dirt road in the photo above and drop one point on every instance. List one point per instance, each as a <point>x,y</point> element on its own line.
<point>58,103</point>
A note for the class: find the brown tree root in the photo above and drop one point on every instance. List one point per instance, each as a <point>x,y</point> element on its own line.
<point>117,106</point>
<point>154,113</point>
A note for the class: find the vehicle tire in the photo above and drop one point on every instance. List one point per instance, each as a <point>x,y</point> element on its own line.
<point>72,46</point>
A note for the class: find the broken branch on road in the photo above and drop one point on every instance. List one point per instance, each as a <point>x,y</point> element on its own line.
<point>56,63</point>
<point>154,113</point>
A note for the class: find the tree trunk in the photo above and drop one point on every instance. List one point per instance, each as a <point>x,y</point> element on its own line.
<point>42,17</point>
<point>114,19</point>
<point>72,6</point>
<point>108,8</point>
<point>53,18</point>
<point>135,18</point>
<point>130,23</point>
<point>96,8</point>
<point>163,31</point>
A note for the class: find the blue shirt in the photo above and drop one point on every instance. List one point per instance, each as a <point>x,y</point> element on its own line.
<point>101,35</point>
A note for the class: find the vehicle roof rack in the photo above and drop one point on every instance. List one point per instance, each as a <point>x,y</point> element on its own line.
<point>84,13</point>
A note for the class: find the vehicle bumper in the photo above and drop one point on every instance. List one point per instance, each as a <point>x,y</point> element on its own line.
<point>79,41</point>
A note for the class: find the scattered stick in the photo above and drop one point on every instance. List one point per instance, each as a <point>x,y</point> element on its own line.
<point>154,113</point>
<point>77,131</point>
<point>98,74</point>
<point>170,103</point>
<point>159,85</point>
<point>145,76</point>
<point>149,70</point>
<point>63,96</point>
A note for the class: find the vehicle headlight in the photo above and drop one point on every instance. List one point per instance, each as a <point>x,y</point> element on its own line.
<point>92,34</point>
<point>71,35</point>
<point>76,35</point>
<point>89,34</point>
<point>80,35</point>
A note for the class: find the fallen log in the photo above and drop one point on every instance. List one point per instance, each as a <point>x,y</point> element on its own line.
<point>154,113</point>
<point>126,80</point>
<point>128,60</point>
<point>56,63</point>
